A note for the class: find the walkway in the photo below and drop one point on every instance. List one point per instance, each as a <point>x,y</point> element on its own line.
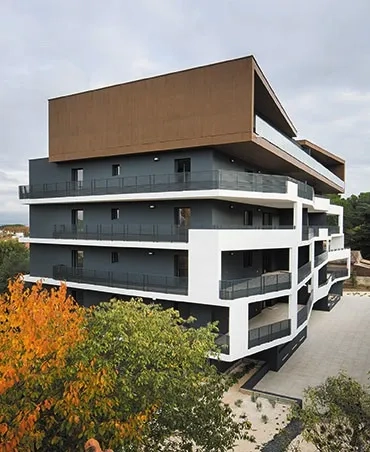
<point>337,340</point>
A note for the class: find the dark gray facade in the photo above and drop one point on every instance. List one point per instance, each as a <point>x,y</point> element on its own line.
<point>46,219</point>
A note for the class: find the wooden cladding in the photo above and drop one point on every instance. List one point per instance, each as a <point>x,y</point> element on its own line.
<point>204,106</point>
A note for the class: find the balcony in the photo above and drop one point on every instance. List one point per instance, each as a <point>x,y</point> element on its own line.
<point>132,281</point>
<point>304,271</point>
<point>321,258</point>
<point>286,144</point>
<point>202,180</point>
<point>304,311</point>
<point>268,333</point>
<point>144,232</point>
<point>125,232</point>
<point>269,282</point>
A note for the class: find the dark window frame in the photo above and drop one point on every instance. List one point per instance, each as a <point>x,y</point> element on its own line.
<point>114,213</point>
<point>116,169</point>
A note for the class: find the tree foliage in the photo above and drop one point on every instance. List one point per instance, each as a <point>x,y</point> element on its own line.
<point>356,221</point>
<point>14,259</point>
<point>336,415</point>
<point>128,374</point>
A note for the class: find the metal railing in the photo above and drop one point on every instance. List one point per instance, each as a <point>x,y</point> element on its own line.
<point>304,271</point>
<point>143,232</point>
<point>238,288</point>
<point>268,333</point>
<point>138,281</point>
<point>134,232</point>
<point>197,180</point>
<point>320,258</point>
<point>291,147</point>
<point>223,341</point>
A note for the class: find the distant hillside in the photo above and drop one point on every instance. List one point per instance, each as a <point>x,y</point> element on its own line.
<point>15,228</point>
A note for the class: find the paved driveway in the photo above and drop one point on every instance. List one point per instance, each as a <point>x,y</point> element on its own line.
<point>337,340</point>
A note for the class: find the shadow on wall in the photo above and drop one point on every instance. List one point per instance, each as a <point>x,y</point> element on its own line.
<point>93,446</point>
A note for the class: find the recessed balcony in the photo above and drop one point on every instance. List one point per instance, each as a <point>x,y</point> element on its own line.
<point>291,147</point>
<point>268,321</point>
<point>125,280</point>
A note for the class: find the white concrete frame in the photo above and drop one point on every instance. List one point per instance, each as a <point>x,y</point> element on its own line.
<point>205,249</point>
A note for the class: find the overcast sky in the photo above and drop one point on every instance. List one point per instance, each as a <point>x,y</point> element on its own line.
<point>316,55</point>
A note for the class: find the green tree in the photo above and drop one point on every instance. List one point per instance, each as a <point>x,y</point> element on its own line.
<point>128,374</point>
<point>336,415</point>
<point>14,259</point>
<point>162,363</point>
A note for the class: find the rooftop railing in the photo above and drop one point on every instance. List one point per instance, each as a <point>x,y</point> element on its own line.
<point>197,180</point>
<point>125,280</point>
<point>292,148</point>
<point>268,333</point>
<point>238,288</point>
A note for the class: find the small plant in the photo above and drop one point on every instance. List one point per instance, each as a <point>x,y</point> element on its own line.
<point>238,403</point>
<point>253,397</point>
<point>272,402</point>
<point>264,418</point>
<point>259,405</point>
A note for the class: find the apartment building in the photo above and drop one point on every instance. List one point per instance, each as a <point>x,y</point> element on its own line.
<point>191,190</point>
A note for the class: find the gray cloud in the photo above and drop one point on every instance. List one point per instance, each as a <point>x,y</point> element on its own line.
<point>315,54</point>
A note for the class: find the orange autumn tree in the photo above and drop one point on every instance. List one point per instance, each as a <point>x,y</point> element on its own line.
<point>49,397</point>
<point>37,331</point>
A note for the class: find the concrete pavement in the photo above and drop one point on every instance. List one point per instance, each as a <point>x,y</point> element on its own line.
<point>337,340</point>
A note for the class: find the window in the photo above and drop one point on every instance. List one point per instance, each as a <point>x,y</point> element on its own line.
<point>78,219</point>
<point>77,258</point>
<point>115,214</point>
<point>181,265</point>
<point>77,175</point>
<point>267,219</point>
<point>182,216</point>
<point>248,218</point>
<point>247,258</point>
<point>116,170</point>
<point>182,165</point>
<point>115,257</point>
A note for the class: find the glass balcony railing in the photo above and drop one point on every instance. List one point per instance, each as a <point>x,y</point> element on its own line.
<point>338,272</point>
<point>304,271</point>
<point>292,148</point>
<point>269,282</point>
<point>302,315</point>
<point>201,180</point>
<point>223,341</point>
<point>268,333</point>
<point>125,280</point>
<point>125,232</point>
<point>320,258</point>
<point>144,232</point>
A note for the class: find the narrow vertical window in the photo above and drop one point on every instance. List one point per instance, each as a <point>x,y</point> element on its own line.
<point>114,257</point>
<point>116,170</point>
<point>115,214</point>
